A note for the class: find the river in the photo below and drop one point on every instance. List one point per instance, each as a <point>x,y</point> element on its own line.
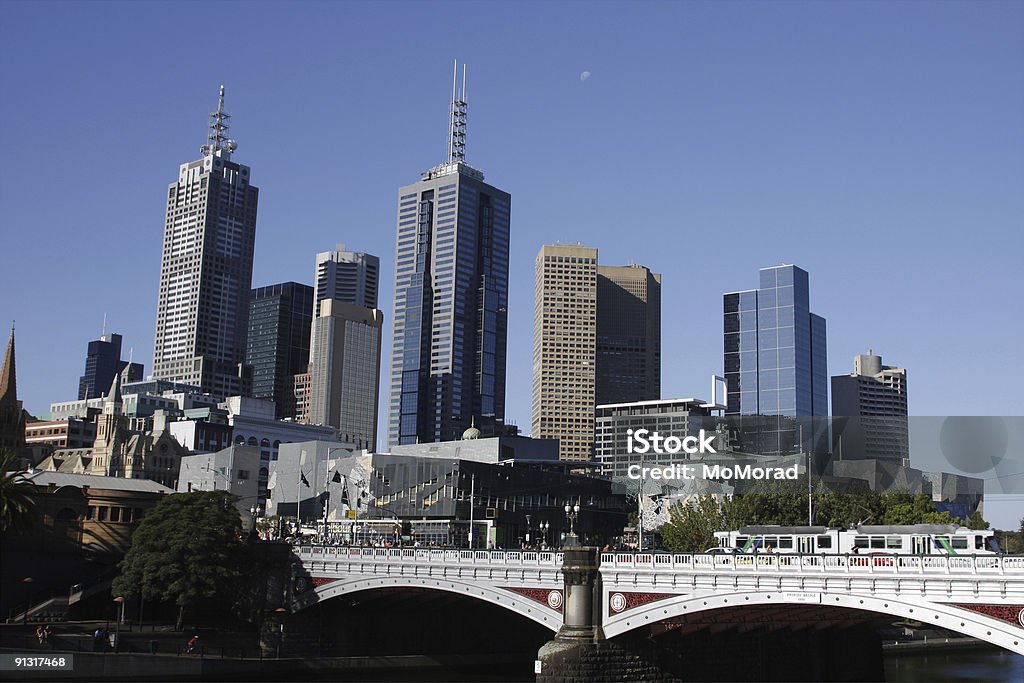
<point>959,665</point>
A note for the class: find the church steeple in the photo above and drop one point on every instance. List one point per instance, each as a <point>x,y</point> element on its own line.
<point>8,378</point>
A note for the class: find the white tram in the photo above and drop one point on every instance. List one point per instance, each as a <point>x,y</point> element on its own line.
<point>913,539</point>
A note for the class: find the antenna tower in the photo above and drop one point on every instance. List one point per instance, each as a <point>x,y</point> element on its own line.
<point>457,128</point>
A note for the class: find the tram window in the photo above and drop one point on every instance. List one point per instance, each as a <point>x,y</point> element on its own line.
<point>785,541</point>
<point>979,542</point>
<point>893,542</point>
<point>742,541</point>
<point>861,542</point>
<point>824,541</point>
<point>959,543</point>
<point>772,541</point>
<point>878,542</point>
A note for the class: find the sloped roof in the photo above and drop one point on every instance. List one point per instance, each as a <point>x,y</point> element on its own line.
<point>41,478</point>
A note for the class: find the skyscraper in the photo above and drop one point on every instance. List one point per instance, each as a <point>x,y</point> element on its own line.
<point>870,409</point>
<point>280,324</point>
<point>628,335</point>
<point>349,276</point>
<point>102,362</point>
<point>564,348</point>
<point>345,371</point>
<point>206,268</point>
<point>775,355</point>
<point>451,299</point>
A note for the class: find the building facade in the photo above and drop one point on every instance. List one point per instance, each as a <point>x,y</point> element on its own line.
<point>206,269</point>
<point>615,423</point>
<point>628,358</point>
<point>102,361</point>
<point>349,276</point>
<point>345,372</point>
<point>451,301</point>
<point>870,411</point>
<point>564,348</point>
<point>775,358</point>
<point>277,347</point>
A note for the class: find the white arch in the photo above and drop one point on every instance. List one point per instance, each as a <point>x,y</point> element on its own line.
<point>514,602</point>
<point>945,616</point>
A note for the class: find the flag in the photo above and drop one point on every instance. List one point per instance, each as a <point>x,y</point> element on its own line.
<point>302,476</point>
<point>273,480</point>
<point>337,478</point>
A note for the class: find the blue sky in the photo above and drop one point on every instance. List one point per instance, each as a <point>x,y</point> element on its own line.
<point>879,146</point>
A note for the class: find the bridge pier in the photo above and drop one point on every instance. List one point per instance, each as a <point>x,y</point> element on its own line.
<point>579,652</point>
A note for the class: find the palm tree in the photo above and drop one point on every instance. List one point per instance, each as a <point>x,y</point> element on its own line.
<point>15,501</point>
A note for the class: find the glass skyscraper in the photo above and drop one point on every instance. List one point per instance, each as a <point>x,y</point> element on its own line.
<point>280,325</point>
<point>775,355</point>
<point>451,297</point>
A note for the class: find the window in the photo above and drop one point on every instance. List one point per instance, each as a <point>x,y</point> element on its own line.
<point>893,542</point>
<point>824,542</point>
<point>960,543</point>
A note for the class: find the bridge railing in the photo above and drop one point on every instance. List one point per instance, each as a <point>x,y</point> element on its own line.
<point>423,556</point>
<point>787,562</point>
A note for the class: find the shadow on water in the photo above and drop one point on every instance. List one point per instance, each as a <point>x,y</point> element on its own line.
<point>938,667</point>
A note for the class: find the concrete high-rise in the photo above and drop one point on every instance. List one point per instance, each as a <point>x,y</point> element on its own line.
<point>345,371</point>
<point>206,269</point>
<point>870,411</point>
<point>350,276</point>
<point>451,300</point>
<point>564,348</point>
<point>102,362</point>
<point>775,356</point>
<point>628,335</point>
<point>280,324</point>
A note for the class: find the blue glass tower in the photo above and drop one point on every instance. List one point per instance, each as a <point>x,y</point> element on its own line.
<point>775,352</point>
<point>451,298</point>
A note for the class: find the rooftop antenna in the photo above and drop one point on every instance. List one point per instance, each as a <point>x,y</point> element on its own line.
<point>457,126</point>
<point>220,143</point>
<point>103,333</point>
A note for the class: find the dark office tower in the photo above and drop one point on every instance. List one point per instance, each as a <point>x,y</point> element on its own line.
<point>280,323</point>
<point>206,269</point>
<point>102,362</point>
<point>628,335</point>
<point>348,276</point>
<point>451,294</point>
<point>775,357</point>
<point>870,411</point>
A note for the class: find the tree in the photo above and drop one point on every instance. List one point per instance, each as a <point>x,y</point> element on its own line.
<point>976,522</point>
<point>692,526</point>
<point>188,548</point>
<point>15,501</point>
<point>904,508</point>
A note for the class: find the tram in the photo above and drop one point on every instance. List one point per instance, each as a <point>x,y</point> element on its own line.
<point>912,539</point>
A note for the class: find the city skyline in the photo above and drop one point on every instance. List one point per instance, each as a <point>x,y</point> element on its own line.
<point>971,191</point>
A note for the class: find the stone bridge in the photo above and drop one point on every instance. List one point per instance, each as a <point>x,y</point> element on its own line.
<point>978,595</point>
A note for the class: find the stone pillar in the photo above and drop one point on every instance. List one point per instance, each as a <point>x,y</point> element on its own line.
<point>579,652</point>
<point>581,588</point>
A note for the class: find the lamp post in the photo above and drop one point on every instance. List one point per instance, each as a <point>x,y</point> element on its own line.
<point>571,513</point>
<point>544,526</point>
<point>118,618</point>
<point>280,612</point>
<point>254,511</point>
<point>528,530</point>
<point>28,605</point>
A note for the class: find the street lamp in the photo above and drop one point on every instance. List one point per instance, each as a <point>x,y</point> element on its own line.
<point>571,513</point>
<point>255,512</point>
<point>544,526</point>
<point>118,618</point>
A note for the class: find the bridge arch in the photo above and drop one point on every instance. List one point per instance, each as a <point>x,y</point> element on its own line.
<point>942,615</point>
<point>509,600</point>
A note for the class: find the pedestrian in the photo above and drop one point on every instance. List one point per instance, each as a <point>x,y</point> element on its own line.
<point>46,634</point>
<point>39,634</point>
<point>193,643</point>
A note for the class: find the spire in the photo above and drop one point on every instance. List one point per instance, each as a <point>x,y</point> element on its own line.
<point>113,403</point>
<point>220,144</point>
<point>457,127</point>
<point>8,377</point>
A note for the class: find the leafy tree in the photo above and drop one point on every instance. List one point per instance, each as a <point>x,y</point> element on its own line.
<point>692,526</point>
<point>187,549</point>
<point>976,522</point>
<point>768,502</point>
<point>902,508</point>
<point>15,502</point>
